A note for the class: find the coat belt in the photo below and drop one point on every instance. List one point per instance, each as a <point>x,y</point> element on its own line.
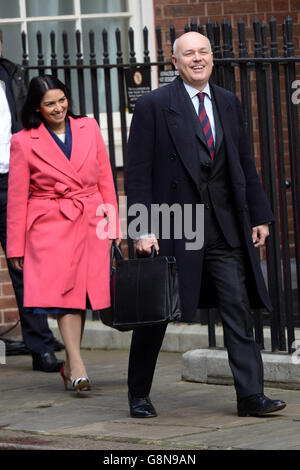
<point>71,203</point>
<point>72,206</point>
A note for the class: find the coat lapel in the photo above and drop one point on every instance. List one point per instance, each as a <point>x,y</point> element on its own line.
<point>218,129</point>
<point>225,114</point>
<point>231,133</point>
<point>81,142</point>
<point>46,148</point>
<point>180,123</point>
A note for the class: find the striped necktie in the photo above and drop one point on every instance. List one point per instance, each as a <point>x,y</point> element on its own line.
<point>204,121</point>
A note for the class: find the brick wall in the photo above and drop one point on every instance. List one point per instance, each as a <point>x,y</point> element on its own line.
<point>9,313</point>
<point>180,12</point>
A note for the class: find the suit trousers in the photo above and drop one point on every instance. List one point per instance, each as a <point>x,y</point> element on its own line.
<point>37,335</point>
<point>225,267</point>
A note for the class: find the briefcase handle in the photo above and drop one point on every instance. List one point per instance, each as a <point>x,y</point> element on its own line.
<point>116,252</point>
<point>153,253</point>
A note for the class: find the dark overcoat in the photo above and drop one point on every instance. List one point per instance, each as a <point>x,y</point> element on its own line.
<point>16,91</point>
<point>163,167</point>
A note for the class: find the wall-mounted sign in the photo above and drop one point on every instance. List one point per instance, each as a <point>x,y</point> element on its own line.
<point>138,83</point>
<point>167,76</point>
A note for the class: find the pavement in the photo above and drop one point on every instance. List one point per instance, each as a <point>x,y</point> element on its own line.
<point>36,413</point>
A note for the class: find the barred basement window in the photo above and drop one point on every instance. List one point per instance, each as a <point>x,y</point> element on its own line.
<point>71,15</point>
<point>45,16</point>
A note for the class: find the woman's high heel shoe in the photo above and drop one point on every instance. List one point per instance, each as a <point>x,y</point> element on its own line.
<point>82,383</point>
<point>64,377</point>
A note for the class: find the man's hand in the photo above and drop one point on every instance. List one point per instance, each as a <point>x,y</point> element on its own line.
<point>144,245</point>
<point>259,235</point>
<point>17,263</point>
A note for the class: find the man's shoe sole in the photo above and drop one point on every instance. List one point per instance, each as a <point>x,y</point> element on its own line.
<point>143,417</point>
<point>272,410</point>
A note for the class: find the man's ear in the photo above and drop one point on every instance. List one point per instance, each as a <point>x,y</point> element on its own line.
<point>174,61</point>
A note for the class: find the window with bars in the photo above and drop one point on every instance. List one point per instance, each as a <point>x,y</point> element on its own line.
<point>58,15</point>
<point>45,16</point>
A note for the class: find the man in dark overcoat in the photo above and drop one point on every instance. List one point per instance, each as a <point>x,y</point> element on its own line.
<point>188,146</point>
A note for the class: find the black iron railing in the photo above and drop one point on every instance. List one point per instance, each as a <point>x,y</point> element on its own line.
<point>266,85</point>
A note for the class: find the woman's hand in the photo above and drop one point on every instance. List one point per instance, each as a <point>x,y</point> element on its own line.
<point>17,263</point>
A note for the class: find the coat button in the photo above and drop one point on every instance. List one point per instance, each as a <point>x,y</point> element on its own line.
<point>174,184</point>
<point>205,166</point>
<point>173,156</point>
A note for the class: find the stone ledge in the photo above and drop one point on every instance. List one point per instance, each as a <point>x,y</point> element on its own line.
<point>180,337</point>
<point>211,366</point>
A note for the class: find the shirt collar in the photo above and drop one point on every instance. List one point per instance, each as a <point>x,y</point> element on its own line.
<point>193,91</point>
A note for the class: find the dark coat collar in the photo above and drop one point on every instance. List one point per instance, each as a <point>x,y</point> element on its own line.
<point>179,113</point>
<point>9,66</point>
<point>223,100</point>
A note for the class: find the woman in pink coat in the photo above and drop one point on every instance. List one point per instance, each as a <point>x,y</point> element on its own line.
<point>62,215</point>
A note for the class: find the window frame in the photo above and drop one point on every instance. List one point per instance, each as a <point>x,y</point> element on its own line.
<point>140,14</point>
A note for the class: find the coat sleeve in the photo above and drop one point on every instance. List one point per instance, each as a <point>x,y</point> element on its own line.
<point>140,159</point>
<point>258,204</point>
<point>106,186</point>
<point>18,192</point>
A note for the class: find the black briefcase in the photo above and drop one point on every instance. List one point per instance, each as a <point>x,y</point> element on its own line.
<point>145,291</point>
<point>107,314</point>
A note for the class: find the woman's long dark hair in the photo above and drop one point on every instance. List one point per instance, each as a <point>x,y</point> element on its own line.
<point>38,86</point>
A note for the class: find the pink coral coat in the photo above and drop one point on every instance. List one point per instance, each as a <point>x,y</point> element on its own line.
<point>62,228</point>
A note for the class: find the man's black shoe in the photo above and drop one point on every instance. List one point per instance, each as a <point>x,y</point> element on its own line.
<point>258,405</point>
<point>58,346</point>
<point>141,407</point>
<point>46,362</point>
<point>14,347</point>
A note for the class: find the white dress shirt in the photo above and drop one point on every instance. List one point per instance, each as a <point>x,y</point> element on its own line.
<point>193,92</point>
<point>62,137</point>
<point>5,130</point>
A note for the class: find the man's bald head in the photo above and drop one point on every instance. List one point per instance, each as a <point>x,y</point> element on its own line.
<point>186,37</point>
<point>192,57</point>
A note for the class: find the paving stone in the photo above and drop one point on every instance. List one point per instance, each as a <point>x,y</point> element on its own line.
<point>36,412</point>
